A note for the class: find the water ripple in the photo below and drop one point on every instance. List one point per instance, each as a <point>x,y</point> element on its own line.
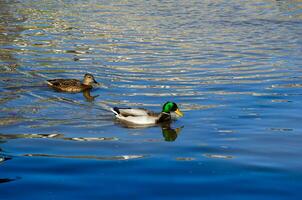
<point>108,158</point>
<point>56,136</point>
<point>233,67</point>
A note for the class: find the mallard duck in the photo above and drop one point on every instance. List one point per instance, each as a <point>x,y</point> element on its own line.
<point>143,117</point>
<point>72,85</point>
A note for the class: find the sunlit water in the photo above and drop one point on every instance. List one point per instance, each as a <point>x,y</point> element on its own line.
<point>233,67</point>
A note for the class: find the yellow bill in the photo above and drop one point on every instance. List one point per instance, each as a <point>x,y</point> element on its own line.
<point>179,113</point>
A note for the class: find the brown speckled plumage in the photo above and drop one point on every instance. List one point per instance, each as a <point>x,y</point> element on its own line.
<point>72,85</point>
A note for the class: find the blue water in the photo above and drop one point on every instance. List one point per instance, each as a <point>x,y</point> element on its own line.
<point>233,67</point>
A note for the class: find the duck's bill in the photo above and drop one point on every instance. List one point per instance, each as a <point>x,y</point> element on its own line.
<point>179,113</point>
<point>96,83</point>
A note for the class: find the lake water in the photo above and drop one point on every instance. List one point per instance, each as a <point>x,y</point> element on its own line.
<point>233,67</point>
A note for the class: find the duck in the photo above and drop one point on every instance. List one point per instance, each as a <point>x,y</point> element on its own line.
<point>133,117</point>
<point>72,85</point>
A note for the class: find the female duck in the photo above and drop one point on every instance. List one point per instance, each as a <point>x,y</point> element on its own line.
<point>72,85</point>
<point>143,117</point>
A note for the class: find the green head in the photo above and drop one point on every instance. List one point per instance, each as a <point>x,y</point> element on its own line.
<point>171,107</point>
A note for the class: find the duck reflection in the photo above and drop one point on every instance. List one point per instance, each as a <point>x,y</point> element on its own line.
<point>5,180</point>
<point>170,134</point>
<point>3,159</point>
<point>88,97</point>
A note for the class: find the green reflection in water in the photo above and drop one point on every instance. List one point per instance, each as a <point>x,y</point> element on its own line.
<point>169,133</point>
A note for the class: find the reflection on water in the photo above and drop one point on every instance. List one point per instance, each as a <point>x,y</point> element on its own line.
<point>185,159</point>
<point>122,157</point>
<point>10,120</point>
<point>170,134</point>
<point>5,180</point>
<point>87,95</point>
<point>217,156</point>
<point>3,159</point>
<point>10,30</point>
<point>233,66</point>
<point>55,136</point>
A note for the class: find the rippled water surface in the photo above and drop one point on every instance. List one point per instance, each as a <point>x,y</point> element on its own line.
<point>233,67</point>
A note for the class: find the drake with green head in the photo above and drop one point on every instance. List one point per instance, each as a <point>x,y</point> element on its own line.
<point>143,117</point>
<point>72,85</point>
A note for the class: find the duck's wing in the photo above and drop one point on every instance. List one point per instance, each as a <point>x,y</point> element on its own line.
<point>138,120</point>
<point>63,82</point>
<point>135,116</point>
<point>125,112</point>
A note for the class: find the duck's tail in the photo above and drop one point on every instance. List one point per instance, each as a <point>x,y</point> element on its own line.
<point>49,82</point>
<point>115,110</point>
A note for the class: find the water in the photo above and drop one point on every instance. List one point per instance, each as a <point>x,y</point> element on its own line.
<point>233,67</point>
